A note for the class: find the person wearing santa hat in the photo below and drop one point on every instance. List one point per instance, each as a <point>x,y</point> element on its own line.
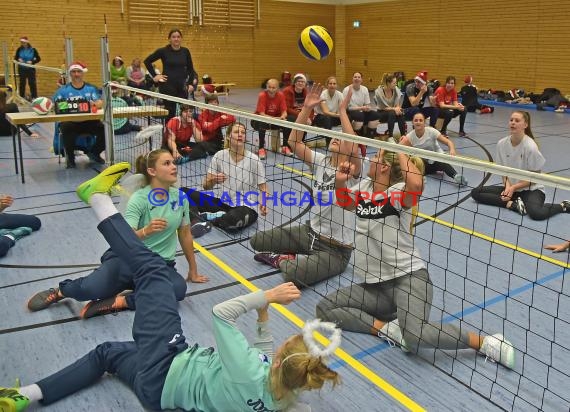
<point>294,98</point>
<point>418,98</point>
<point>70,130</point>
<point>28,55</point>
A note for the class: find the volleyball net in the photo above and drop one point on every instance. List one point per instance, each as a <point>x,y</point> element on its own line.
<point>488,266</point>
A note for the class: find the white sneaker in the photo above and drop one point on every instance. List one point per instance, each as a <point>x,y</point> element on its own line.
<point>460,180</point>
<point>518,206</point>
<point>392,334</point>
<point>498,349</point>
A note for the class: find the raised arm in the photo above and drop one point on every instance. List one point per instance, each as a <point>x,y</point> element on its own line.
<point>233,347</point>
<point>301,150</point>
<point>413,178</point>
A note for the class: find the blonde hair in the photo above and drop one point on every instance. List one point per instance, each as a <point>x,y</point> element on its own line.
<point>387,79</point>
<point>143,162</point>
<point>299,372</point>
<point>396,174</point>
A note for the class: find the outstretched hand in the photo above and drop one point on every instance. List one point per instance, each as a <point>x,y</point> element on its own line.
<point>560,247</point>
<point>284,293</point>
<point>313,97</point>
<point>196,278</point>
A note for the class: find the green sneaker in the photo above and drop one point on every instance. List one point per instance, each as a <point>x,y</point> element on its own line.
<point>17,233</point>
<point>103,182</point>
<point>12,401</point>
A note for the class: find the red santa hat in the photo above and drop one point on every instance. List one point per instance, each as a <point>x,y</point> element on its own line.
<point>468,79</point>
<point>24,39</point>
<point>421,77</point>
<point>77,65</point>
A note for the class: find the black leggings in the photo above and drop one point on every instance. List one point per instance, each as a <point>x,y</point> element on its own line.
<point>533,201</point>
<point>448,114</point>
<point>431,168</point>
<point>237,217</point>
<point>390,117</point>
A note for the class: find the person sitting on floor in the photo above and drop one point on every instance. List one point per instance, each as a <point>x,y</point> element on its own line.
<point>14,226</point>
<point>520,151</point>
<point>160,228</point>
<point>449,106</point>
<point>419,97</point>
<point>178,136</point>
<point>159,365</point>
<point>470,98</point>
<point>428,138</point>
<point>212,123</point>
<point>5,125</point>
<point>232,173</point>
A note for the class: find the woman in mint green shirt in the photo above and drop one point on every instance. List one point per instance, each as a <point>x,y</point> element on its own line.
<point>166,372</point>
<point>160,228</point>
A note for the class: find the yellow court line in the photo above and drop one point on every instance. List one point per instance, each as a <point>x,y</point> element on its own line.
<point>359,367</point>
<point>291,169</point>
<point>495,240</point>
<point>468,231</point>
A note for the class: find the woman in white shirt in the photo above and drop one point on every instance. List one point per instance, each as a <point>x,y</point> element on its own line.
<point>520,151</point>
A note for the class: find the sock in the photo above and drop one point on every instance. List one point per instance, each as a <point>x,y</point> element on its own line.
<point>102,205</point>
<point>32,392</point>
<point>12,238</point>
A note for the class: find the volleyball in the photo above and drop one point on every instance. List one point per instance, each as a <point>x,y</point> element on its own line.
<point>315,42</point>
<point>42,105</point>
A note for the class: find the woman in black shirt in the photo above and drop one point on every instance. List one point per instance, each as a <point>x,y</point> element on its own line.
<point>178,76</point>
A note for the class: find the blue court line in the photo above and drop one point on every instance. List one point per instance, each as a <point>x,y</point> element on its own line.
<point>456,316</point>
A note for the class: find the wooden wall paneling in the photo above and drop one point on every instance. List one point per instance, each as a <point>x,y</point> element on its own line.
<point>501,45</point>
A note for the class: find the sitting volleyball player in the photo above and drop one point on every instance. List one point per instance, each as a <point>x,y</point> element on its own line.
<point>159,226</point>
<point>232,173</point>
<point>396,281</point>
<point>320,248</point>
<point>429,138</point>
<point>163,370</point>
<point>183,137</point>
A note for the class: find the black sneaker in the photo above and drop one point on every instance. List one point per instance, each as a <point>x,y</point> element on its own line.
<point>200,229</point>
<point>102,307</point>
<point>70,164</point>
<point>565,206</point>
<point>42,300</point>
<point>96,158</point>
